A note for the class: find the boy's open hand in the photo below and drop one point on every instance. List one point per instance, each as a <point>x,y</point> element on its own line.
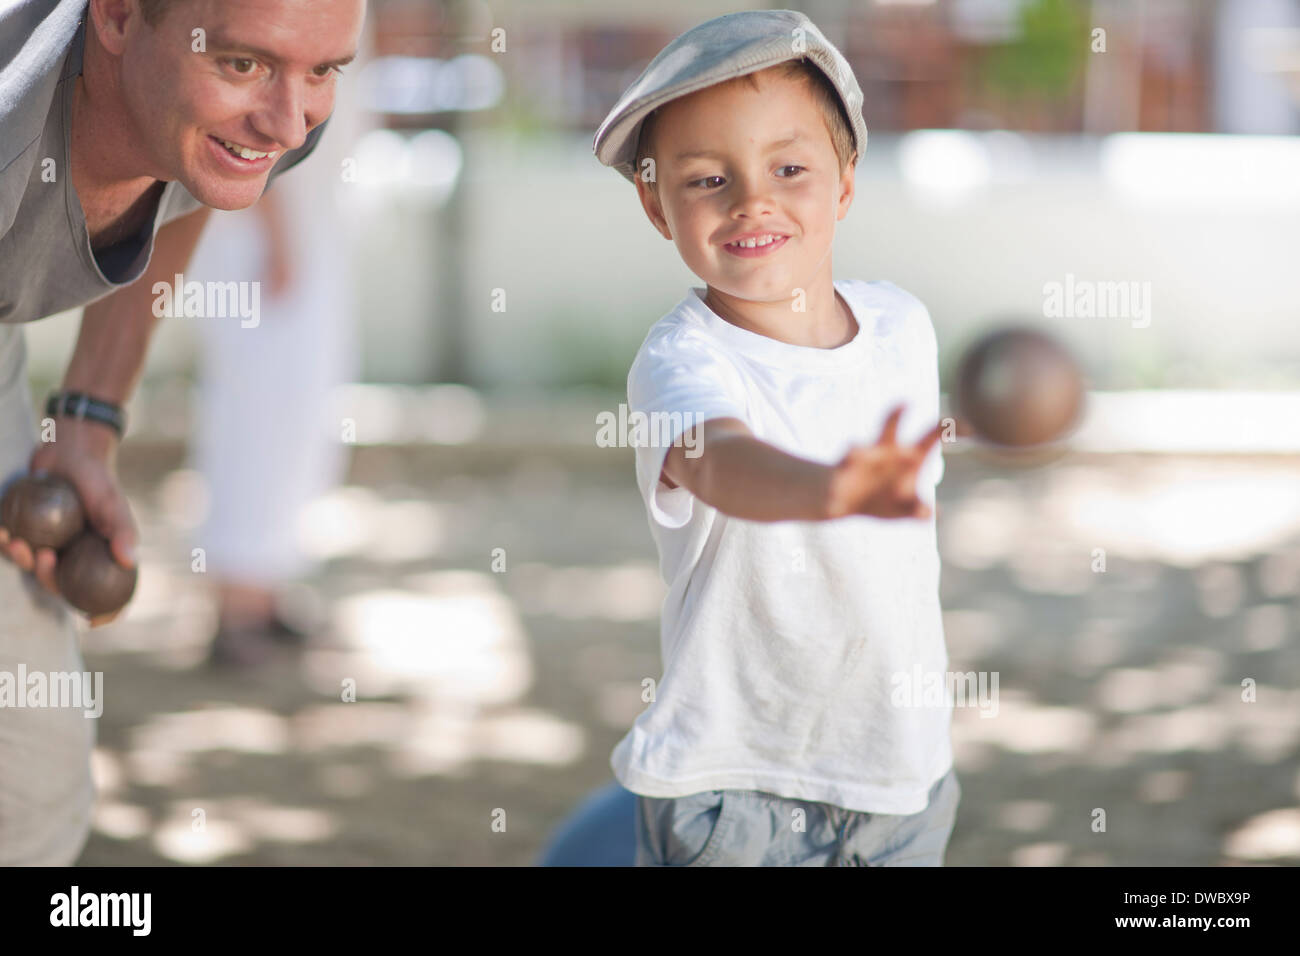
<point>880,480</point>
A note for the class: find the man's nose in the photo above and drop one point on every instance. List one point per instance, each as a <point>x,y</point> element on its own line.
<point>283,116</point>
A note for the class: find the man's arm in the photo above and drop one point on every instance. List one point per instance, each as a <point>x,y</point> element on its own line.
<point>280,266</point>
<point>745,477</point>
<point>115,331</point>
<point>107,362</point>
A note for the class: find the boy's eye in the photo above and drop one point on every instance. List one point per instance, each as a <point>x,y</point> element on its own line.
<point>783,168</point>
<point>708,181</point>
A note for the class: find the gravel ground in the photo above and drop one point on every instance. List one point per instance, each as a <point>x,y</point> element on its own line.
<point>488,698</point>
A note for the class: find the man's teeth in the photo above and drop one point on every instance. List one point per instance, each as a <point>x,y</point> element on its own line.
<point>243,151</point>
<point>755,243</point>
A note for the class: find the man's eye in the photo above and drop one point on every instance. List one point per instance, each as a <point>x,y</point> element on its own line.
<point>707,180</point>
<point>237,62</point>
<point>783,168</point>
<point>327,70</point>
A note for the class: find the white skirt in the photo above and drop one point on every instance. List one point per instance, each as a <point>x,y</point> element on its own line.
<point>267,438</point>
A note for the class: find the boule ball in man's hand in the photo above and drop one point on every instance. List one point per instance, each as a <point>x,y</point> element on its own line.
<point>90,579</point>
<point>42,509</point>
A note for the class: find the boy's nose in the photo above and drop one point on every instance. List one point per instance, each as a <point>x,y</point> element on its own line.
<point>752,198</point>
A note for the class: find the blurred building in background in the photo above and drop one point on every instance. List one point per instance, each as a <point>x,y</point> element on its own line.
<point>1038,185</point>
<point>953,64</point>
<point>1013,143</point>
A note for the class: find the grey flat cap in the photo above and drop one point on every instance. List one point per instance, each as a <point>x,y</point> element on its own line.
<point>719,50</point>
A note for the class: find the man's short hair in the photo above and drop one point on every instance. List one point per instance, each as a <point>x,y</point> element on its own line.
<point>154,10</point>
<point>828,101</point>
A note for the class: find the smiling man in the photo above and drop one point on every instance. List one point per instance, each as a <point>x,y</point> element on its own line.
<point>121,123</point>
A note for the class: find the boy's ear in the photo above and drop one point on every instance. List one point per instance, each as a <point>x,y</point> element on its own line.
<point>653,208</point>
<point>847,186</point>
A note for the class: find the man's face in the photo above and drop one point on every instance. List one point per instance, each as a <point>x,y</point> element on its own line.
<point>262,77</point>
<point>733,163</point>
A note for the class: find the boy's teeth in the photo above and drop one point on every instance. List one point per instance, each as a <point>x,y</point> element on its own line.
<point>754,243</point>
<point>243,151</point>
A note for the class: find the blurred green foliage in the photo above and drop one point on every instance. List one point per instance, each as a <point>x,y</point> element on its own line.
<point>583,348</point>
<point>1047,57</point>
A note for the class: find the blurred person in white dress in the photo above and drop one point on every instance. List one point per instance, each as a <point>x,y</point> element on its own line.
<point>267,438</point>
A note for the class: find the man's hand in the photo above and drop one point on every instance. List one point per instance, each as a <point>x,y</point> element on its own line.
<point>107,362</point>
<point>86,454</point>
<point>880,480</point>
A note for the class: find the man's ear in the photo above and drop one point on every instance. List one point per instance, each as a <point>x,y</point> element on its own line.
<point>653,208</point>
<point>109,19</point>
<point>847,186</point>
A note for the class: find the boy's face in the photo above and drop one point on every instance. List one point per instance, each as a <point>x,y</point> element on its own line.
<point>733,163</point>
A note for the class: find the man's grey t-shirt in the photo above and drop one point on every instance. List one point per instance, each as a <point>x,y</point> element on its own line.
<point>46,261</point>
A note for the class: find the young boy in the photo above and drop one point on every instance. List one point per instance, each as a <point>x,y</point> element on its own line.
<point>795,531</point>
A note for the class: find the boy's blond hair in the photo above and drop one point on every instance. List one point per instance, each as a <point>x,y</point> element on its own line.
<point>828,101</point>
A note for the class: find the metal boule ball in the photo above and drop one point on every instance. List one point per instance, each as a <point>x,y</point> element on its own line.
<point>43,510</point>
<point>1019,387</point>
<point>90,579</point>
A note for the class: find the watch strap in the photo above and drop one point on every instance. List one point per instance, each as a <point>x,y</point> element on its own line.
<point>81,405</point>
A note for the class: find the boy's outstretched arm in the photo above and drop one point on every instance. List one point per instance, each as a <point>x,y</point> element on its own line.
<point>745,477</point>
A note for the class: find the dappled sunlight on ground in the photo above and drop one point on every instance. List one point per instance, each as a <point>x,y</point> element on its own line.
<point>1274,835</point>
<point>483,632</point>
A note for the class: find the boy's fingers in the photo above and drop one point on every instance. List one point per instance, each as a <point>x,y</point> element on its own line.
<point>916,508</point>
<point>889,434</point>
<point>930,437</point>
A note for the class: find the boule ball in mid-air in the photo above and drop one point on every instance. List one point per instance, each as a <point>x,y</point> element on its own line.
<point>89,577</point>
<point>1019,387</point>
<point>42,509</point>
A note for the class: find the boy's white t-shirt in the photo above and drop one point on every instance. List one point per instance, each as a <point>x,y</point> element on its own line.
<point>795,653</point>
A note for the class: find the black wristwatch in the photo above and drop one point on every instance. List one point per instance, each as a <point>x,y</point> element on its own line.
<point>81,405</point>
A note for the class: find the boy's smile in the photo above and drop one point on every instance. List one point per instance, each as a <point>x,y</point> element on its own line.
<point>752,245</point>
<point>749,188</point>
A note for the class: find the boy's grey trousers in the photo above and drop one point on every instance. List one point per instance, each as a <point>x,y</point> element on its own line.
<point>752,828</point>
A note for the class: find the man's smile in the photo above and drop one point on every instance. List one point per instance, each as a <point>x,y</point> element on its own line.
<point>242,158</point>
